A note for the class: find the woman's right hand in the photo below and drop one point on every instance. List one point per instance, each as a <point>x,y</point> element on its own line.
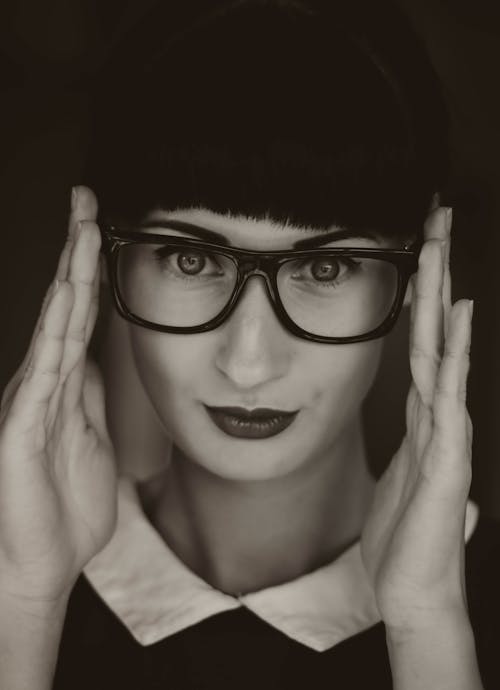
<point>57,467</point>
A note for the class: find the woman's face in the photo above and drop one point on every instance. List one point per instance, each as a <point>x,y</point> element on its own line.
<point>250,362</point>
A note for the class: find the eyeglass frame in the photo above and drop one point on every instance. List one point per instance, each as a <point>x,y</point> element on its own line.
<point>265,264</point>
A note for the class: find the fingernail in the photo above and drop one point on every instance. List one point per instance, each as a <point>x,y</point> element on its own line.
<point>74,198</point>
<point>449,219</point>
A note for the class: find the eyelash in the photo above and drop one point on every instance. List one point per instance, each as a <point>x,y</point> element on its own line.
<point>351,264</point>
<point>169,252</point>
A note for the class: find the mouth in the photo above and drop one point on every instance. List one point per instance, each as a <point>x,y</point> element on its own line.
<point>262,422</point>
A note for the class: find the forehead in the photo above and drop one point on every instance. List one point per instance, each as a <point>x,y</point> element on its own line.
<point>258,233</point>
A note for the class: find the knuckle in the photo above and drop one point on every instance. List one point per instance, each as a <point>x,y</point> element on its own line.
<point>45,334</point>
<point>451,352</point>
<point>444,392</point>
<point>10,389</point>
<point>86,281</point>
<point>46,372</point>
<point>418,353</point>
<point>29,372</point>
<point>76,333</point>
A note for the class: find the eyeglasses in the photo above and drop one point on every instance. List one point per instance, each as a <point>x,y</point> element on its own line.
<point>184,285</point>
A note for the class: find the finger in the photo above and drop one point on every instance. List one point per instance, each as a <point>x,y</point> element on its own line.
<point>427,319</point>
<point>82,276</point>
<point>413,303</point>
<point>41,377</point>
<point>438,226</point>
<point>94,399</point>
<point>84,388</point>
<point>94,304</point>
<point>62,267</point>
<point>86,206</point>
<point>72,394</point>
<point>435,226</point>
<point>14,382</point>
<point>418,429</point>
<point>450,414</point>
<point>83,207</point>
<point>447,274</point>
<point>448,462</point>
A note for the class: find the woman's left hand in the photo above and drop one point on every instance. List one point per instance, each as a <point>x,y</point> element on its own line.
<point>413,541</point>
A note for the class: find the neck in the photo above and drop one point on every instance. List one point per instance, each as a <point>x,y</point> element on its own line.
<point>244,536</point>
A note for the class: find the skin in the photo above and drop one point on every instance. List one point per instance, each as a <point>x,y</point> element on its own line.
<point>57,469</point>
<point>252,361</point>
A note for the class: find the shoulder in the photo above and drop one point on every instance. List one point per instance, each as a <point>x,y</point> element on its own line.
<point>483,595</point>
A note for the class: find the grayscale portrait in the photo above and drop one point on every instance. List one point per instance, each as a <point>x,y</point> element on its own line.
<point>248,427</point>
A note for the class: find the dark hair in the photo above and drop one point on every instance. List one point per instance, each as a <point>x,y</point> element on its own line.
<point>313,112</point>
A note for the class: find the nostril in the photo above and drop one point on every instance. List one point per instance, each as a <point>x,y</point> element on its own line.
<point>252,352</point>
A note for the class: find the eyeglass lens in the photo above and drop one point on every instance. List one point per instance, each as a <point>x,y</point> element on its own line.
<point>328,296</point>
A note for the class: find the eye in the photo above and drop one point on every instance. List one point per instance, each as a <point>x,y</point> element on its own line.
<point>325,270</point>
<point>187,262</point>
<point>191,262</point>
<point>328,271</point>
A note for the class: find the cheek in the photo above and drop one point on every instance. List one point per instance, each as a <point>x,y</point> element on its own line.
<point>340,376</point>
<point>329,382</point>
<point>169,366</point>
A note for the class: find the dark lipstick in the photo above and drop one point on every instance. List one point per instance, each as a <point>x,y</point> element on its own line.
<point>262,422</point>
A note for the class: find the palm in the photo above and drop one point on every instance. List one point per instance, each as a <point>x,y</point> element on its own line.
<point>412,543</point>
<point>57,469</point>
<point>85,478</point>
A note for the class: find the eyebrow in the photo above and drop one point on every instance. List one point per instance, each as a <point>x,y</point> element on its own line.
<point>218,238</point>
<point>333,235</point>
<point>182,226</point>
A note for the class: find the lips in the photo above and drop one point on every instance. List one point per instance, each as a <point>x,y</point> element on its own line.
<point>262,422</point>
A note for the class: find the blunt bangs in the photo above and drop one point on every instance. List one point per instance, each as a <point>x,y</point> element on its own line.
<point>301,112</point>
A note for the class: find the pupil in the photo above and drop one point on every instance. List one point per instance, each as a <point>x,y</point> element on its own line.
<point>191,263</point>
<point>325,269</point>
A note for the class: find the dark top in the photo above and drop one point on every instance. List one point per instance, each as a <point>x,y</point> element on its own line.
<point>235,650</point>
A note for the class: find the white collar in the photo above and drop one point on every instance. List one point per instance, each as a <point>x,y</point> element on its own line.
<point>155,595</point>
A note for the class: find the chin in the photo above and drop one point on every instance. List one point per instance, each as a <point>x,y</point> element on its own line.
<point>233,458</point>
<point>248,464</point>
<point>242,459</point>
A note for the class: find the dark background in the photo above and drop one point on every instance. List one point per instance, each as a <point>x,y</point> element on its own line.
<point>47,50</point>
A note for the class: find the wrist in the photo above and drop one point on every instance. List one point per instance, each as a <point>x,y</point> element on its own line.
<point>30,633</point>
<point>438,654</point>
<point>431,623</point>
<point>32,608</point>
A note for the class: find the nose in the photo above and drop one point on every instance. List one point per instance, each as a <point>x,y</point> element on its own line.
<point>254,347</point>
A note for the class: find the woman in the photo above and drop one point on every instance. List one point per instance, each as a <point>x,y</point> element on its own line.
<point>263,181</point>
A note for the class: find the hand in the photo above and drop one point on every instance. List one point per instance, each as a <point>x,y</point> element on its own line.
<point>57,469</point>
<point>413,540</point>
